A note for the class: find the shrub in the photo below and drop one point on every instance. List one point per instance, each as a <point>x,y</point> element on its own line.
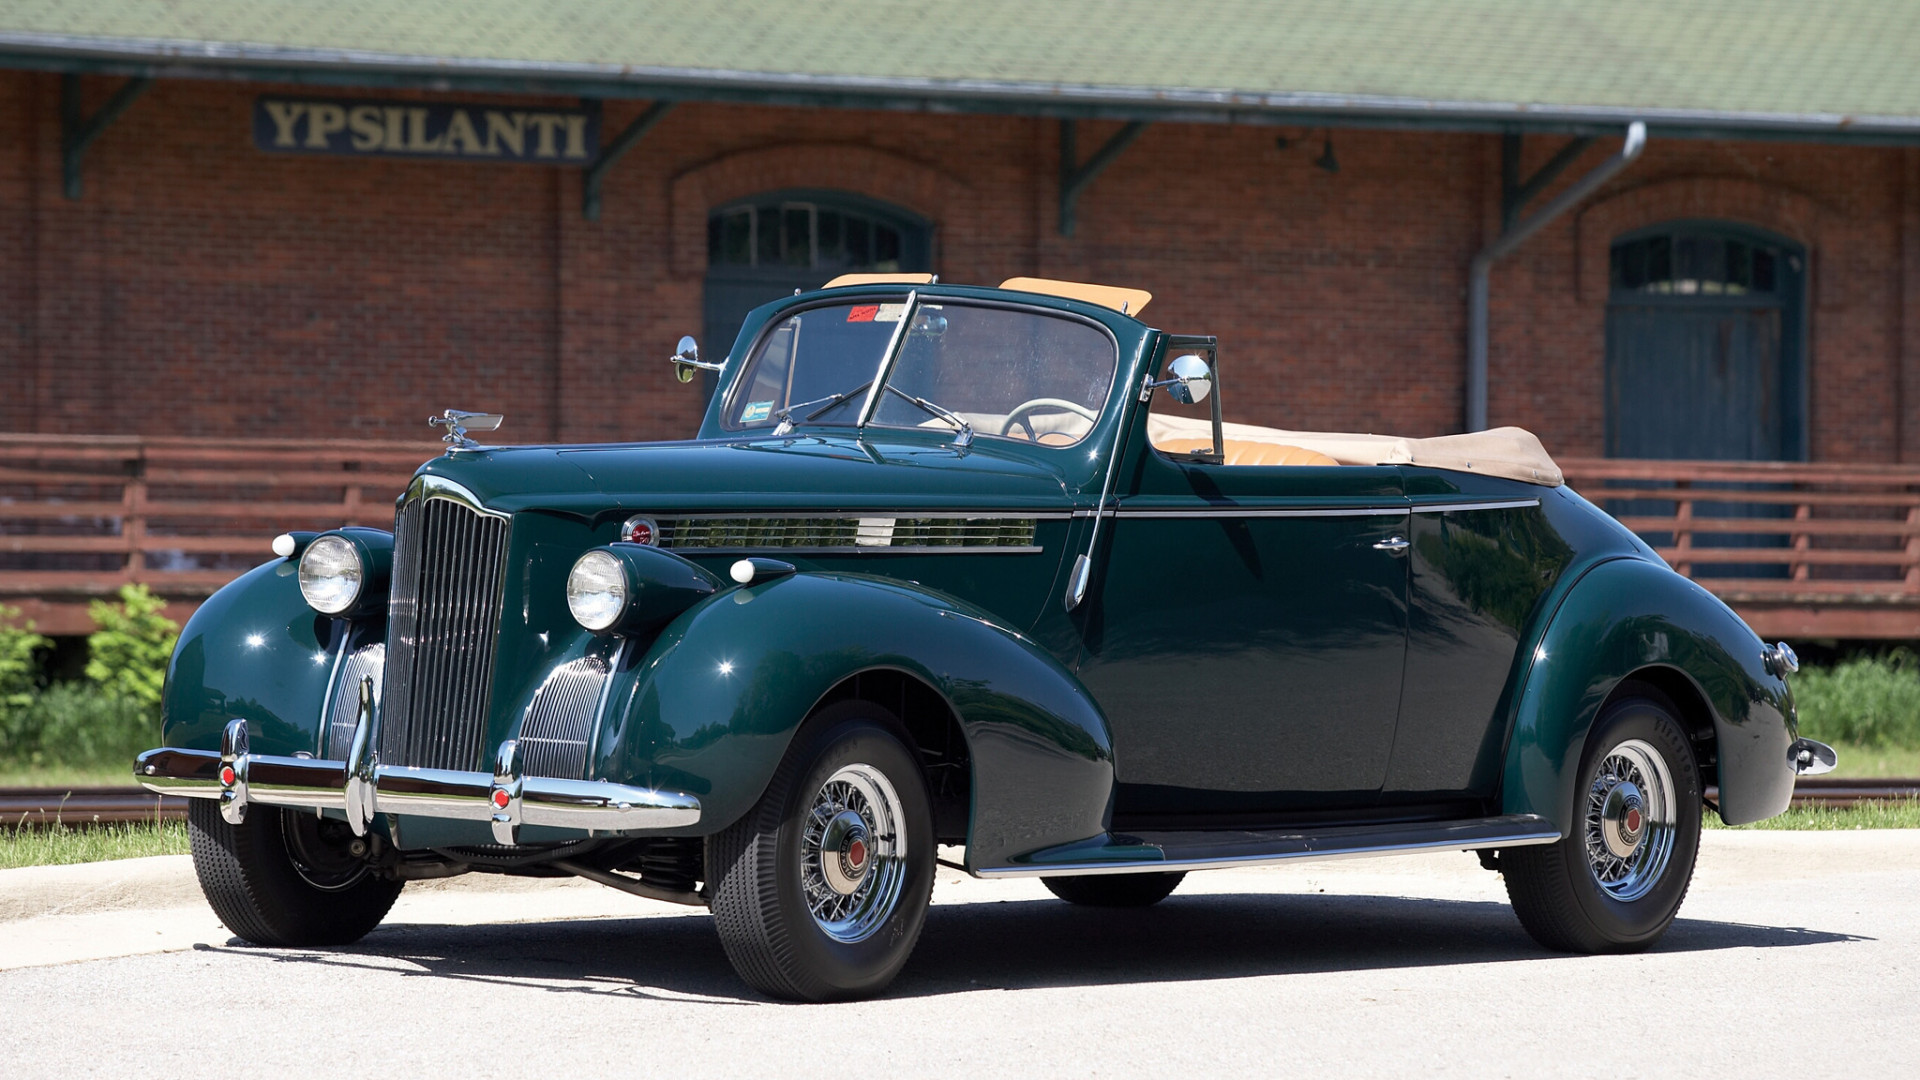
<point>127,654</point>
<point>82,726</point>
<point>18,672</point>
<point>1866,701</point>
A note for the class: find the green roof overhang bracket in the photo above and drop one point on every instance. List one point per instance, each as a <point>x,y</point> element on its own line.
<point>78,131</point>
<point>1513,233</point>
<point>1515,194</point>
<point>1074,177</point>
<point>614,151</point>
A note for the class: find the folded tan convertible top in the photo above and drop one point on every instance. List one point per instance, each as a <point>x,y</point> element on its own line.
<point>1510,452</point>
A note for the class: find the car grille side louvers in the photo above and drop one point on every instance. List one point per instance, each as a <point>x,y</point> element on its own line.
<point>896,534</point>
<point>343,712</point>
<point>443,619</point>
<point>559,721</point>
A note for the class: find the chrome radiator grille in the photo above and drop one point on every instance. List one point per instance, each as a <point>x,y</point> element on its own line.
<point>449,562</point>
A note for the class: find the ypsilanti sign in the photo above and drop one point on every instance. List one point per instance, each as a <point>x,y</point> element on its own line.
<point>416,129</point>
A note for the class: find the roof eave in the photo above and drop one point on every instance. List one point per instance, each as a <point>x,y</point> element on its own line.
<point>342,67</point>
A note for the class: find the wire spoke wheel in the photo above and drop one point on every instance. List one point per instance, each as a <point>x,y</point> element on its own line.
<point>820,891</point>
<point>1630,818</point>
<point>1616,878</point>
<point>852,861</point>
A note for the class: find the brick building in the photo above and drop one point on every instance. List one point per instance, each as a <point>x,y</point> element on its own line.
<point>181,254</point>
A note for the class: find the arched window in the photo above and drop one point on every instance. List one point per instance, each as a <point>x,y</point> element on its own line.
<point>762,248</point>
<point>1704,345</point>
<point>1704,361</point>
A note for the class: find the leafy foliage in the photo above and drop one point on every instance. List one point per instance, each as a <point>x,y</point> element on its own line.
<point>18,671</point>
<point>78,725</point>
<point>1869,701</point>
<point>127,654</point>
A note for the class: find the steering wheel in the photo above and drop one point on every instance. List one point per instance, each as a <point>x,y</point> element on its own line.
<point>1021,415</point>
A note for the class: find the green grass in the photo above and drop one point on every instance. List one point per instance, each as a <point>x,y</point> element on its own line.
<point>60,846</point>
<point>12,775</point>
<point>1884,762</point>
<point>1894,814</point>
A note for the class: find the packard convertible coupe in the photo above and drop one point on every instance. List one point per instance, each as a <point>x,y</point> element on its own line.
<point>977,567</point>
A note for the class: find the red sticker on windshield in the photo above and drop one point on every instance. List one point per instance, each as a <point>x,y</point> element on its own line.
<point>863,312</point>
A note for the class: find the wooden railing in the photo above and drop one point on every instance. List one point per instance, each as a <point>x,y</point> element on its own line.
<point>1799,549</point>
<point>82,515</point>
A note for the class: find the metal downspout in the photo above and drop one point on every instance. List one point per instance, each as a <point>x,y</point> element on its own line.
<point>1482,266</point>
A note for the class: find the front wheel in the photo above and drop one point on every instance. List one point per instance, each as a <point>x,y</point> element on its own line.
<point>819,892</point>
<point>285,878</point>
<point>1615,882</point>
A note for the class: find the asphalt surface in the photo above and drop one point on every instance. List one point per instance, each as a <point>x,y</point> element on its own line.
<point>1797,954</point>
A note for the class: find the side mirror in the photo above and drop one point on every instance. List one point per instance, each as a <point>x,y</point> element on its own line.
<point>686,359</point>
<point>1191,381</point>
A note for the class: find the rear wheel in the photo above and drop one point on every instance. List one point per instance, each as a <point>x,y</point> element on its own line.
<point>285,878</point>
<point>1616,881</point>
<point>1114,890</point>
<point>820,891</point>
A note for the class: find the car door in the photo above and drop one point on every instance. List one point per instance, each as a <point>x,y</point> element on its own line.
<point>1248,638</point>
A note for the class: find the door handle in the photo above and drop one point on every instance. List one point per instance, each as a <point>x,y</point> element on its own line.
<point>1395,544</point>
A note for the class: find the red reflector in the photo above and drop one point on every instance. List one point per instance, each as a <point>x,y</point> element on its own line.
<point>642,533</point>
<point>501,798</point>
<point>227,775</point>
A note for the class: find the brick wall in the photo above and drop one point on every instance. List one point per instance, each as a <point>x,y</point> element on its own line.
<point>204,288</point>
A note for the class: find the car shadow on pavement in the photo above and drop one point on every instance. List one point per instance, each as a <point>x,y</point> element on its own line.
<point>1014,945</point>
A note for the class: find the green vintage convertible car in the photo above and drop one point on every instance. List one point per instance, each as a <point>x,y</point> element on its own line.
<point>980,567</point>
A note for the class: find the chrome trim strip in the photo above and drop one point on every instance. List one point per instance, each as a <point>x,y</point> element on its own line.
<point>842,515</point>
<point>594,805</point>
<point>426,486</point>
<point>1253,512</point>
<point>1450,508</point>
<point>853,549</point>
<point>1521,839</point>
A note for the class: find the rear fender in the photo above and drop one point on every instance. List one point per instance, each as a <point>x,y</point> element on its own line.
<point>1629,616</point>
<point>712,705</point>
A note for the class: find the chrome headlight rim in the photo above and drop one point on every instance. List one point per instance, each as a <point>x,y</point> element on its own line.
<point>598,591</point>
<point>332,574</point>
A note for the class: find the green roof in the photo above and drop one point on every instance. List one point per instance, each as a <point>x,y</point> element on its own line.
<point>1836,69</point>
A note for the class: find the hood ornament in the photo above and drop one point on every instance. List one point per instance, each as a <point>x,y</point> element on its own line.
<point>458,421</point>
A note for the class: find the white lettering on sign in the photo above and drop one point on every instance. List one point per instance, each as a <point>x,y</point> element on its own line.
<point>426,130</point>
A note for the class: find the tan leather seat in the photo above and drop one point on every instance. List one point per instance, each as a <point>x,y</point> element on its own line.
<point>1248,452</point>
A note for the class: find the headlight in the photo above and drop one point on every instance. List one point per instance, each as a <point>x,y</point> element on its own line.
<point>331,575</point>
<point>596,590</point>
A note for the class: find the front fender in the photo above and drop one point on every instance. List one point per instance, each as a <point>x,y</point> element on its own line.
<point>713,704</point>
<point>1628,616</point>
<point>254,650</point>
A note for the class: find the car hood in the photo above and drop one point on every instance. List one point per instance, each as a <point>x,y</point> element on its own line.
<point>800,472</point>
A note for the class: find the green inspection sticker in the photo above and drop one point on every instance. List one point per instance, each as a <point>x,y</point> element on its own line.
<point>756,411</point>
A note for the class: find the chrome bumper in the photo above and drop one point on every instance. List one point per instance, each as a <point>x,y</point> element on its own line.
<point>361,788</point>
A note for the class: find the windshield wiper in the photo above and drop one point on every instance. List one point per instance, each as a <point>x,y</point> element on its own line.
<point>963,433</point>
<point>785,426</point>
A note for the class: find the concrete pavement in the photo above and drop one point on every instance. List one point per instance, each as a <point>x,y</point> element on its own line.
<point>1797,954</point>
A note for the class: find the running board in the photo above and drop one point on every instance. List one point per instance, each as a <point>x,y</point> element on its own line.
<point>1160,852</point>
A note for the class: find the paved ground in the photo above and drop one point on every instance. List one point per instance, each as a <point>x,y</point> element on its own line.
<point>1798,954</point>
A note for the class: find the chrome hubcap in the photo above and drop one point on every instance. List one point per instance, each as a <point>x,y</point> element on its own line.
<point>1630,820</point>
<point>853,853</point>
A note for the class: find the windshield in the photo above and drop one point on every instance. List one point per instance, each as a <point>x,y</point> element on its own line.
<point>1001,372</point>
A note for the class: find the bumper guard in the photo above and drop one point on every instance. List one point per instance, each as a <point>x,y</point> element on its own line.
<point>362,788</point>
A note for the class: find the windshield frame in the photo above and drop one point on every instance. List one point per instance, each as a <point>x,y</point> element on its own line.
<point>920,298</point>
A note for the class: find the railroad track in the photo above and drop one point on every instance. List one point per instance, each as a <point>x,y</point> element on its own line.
<point>82,807</point>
